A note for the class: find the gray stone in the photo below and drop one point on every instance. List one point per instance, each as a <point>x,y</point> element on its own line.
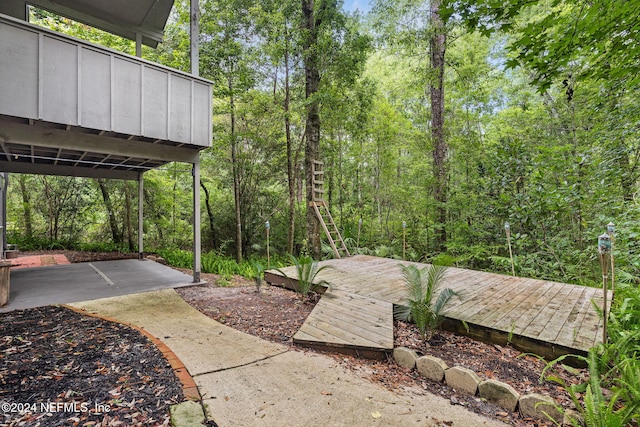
<point>431,367</point>
<point>499,393</point>
<point>405,357</point>
<point>187,414</point>
<point>536,405</point>
<point>462,379</point>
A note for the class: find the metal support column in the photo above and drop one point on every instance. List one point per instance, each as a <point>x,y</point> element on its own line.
<point>139,45</point>
<point>4,182</point>
<point>140,215</point>
<point>197,246</point>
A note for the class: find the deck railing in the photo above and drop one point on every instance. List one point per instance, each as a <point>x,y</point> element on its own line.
<point>59,79</point>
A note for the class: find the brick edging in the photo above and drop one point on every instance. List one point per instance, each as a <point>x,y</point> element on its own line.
<point>189,387</point>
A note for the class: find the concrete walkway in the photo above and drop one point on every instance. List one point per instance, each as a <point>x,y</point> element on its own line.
<point>246,381</point>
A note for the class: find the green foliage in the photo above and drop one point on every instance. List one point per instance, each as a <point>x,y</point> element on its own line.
<point>612,393</point>
<point>598,408</point>
<point>258,274</point>
<point>36,243</point>
<point>425,300</point>
<point>177,257</point>
<point>559,38</point>
<point>306,271</point>
<point>557,164</point>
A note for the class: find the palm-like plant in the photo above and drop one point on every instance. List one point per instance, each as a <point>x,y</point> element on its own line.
<point>306,271</point>
<point>425,302</point>
<point>258,274</point>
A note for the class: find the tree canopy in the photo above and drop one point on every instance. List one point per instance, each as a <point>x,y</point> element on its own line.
<point>536,125</point>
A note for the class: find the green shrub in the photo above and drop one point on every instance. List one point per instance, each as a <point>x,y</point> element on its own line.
<point>306,271</point>
<point>425,301</point>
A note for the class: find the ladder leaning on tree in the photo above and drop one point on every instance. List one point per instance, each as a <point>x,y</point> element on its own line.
<point>324,214</point>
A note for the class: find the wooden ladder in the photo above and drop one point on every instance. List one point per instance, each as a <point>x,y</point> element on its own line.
<point>324,214</point>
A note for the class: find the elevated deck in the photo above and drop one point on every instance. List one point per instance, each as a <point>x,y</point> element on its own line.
<point>546,318</point>
<point>73,108</point>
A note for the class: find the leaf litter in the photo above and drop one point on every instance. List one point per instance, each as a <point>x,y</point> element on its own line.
<point>76,370</point>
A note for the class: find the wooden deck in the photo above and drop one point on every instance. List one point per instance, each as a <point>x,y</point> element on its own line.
<point>355,314</point>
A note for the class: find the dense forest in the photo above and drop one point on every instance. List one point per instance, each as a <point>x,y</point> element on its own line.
<point>436,120</point>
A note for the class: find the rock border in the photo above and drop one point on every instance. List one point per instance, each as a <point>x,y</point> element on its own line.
<point>497,392</point>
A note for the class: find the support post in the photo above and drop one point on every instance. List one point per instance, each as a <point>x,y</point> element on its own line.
<point>140,215</point>
<point>139,45</point>
<point>604,251</point>
<point>507,229</point>
<point>194,33</point>
<point>197,247</point>
<point>4,178</point>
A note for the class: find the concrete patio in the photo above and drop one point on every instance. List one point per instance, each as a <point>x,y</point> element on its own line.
<point>67,283</point>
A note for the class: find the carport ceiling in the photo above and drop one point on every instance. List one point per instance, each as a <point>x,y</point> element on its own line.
<point>122,17</point>
<point>36,147</point>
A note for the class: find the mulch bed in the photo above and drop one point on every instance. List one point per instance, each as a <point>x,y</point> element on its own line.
<point>61,368</point>
<point>274,314</point>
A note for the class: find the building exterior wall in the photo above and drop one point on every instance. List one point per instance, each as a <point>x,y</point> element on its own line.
<point>54,78</point>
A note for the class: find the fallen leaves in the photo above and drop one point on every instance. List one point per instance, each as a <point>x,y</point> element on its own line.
<point>54,355</point>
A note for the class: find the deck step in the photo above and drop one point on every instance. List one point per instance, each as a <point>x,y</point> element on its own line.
<point>349,323</point>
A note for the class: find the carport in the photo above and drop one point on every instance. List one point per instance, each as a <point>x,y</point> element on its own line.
<point>71,108</point>
<point>64,284</point>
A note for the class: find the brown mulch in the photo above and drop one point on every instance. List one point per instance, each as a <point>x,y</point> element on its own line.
<point>276,314</point>
<point>61,368</point>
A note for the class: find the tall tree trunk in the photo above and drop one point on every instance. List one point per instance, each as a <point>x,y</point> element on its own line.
<point>26,206</point>
<point>312,128</point>
<point>207,202</point>
<point>438,47</point>
<point>113,223</point>
<point>236,170</point>
<point>291,163</point>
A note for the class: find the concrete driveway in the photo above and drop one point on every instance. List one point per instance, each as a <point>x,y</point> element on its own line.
<point>63,284</point>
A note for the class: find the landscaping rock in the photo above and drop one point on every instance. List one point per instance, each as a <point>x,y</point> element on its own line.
<point>405,357</point>
<point>157,258</point>
<point>536,405</point>
<point>462,379</point>
<point>431,367</point>
<point>499,393</point>
<point>187,414</point>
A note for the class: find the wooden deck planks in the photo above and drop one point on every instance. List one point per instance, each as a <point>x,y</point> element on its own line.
<point>560,326</point>
<point>357,311</point>
<point>348,320</point>
<point>541,321</point>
